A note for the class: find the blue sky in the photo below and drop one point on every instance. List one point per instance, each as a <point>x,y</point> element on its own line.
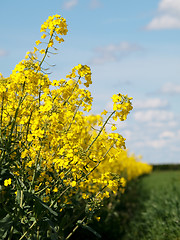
<point>132,47</point>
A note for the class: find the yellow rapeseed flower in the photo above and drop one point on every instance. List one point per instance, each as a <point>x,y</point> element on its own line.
<point>7,182</point>
<point>42,51</point>
<point>113,128</point>
<point>43,36</point>
<point>73,183</point>
<point>38,42</point>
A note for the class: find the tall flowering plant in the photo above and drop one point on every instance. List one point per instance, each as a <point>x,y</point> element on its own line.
<point>54,165</point>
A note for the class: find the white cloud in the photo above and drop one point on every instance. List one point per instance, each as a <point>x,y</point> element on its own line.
<point>2,53</point>
<point>164,22</point>
<point>121,125</point>
<point>170,6</point>
<point>159,124</point>
<point>150,103</point>
<point>167,134</point>
<point>70,4</point>
<point>153,115</point>
<point>159,143</point>
<point>127,134</point>
<point>95,4</point>
<point>109,106</point>
<point>168,16</point>
<point>114,52</point>
<point>171,88</point>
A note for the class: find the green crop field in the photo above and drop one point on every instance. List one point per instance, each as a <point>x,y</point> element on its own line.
<point>158,208</point>
<point>149,210</point>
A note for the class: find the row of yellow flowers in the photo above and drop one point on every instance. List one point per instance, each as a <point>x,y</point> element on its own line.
<point>48,147</point>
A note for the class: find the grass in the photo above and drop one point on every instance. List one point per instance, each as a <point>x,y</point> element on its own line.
<point>157,216</point>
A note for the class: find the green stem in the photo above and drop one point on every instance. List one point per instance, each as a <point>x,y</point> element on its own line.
<point>73,117</point>
<point>46,51</point>
<point>72,91</point>
<point>28,230</point>
<point>38,232</point>
<point>73,219</point>
<point>28,123</point>
<point>11,233</point>
<point>100,131</point>
<point>101,190</point>
<point>75,229</point>
<point>21,201</point>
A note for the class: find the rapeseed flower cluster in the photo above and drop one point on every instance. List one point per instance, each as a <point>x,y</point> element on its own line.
<point>48,145</point>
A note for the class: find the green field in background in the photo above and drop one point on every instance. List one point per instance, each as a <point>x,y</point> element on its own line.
<point>158,208</point>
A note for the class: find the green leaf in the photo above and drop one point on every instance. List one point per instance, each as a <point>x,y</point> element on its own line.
<point>91,230</point>
<point>39,201</point>
<point>3,235</point>
<point>5,224</point>
<point>45,206</point>
<point>5,220</point>
<point>18,196</point>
